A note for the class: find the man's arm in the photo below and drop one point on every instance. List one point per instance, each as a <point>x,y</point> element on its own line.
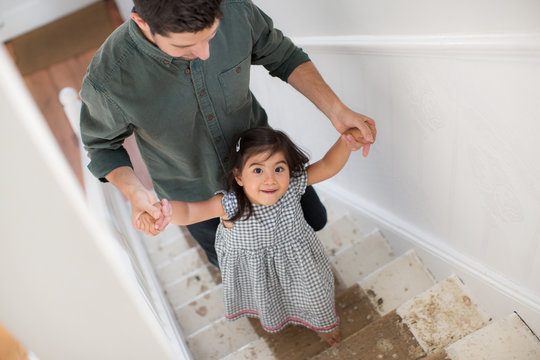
<point>141,199</point>
<point>308,81</point>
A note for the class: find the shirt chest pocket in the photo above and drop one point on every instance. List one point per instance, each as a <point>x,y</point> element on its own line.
<point>235,86</point>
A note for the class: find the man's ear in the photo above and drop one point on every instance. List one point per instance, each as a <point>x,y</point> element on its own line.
<point>237,177</point>
<point>140,22</point>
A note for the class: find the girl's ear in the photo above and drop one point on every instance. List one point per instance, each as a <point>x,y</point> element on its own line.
<point>237,177</point>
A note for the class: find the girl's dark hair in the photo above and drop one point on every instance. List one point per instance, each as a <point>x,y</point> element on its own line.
<point>255,141</point>
<point>178,16</point>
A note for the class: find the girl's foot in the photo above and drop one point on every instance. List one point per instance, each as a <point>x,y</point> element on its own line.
<point>332,337</point>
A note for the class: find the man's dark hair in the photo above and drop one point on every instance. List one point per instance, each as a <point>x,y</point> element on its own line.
<point>177,16</point>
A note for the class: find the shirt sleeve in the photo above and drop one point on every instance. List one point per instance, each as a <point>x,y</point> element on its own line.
<point>103,131</point>
<point>271,48</point>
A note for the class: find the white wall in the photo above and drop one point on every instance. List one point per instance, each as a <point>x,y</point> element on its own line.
<point>453,87</point>
<point>394,17</point>
<point>66,289</point>
<point>20,16</point>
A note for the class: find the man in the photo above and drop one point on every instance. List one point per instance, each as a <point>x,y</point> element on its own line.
<point>177,76</point>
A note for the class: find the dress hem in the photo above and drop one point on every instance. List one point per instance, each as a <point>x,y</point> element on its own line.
<point>285,322</point>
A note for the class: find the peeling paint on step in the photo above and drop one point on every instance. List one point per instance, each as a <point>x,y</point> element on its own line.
<point>442,315</point>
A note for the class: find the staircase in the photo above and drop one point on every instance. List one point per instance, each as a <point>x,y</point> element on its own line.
<point>390,307</point>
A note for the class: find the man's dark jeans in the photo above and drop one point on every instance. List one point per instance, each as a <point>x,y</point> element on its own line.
<point>205,232</point>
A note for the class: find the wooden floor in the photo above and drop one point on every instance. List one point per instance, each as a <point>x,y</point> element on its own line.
<point>44,86</point>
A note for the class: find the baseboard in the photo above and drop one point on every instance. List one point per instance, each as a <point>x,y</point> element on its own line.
<point>497,295</point>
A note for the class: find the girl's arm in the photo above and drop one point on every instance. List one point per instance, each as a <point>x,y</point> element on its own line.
<point>334,160</point>
<point>185,213</point>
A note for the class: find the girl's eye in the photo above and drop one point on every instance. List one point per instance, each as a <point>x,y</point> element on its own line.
<point>257,171</point>
<point>280,169</point>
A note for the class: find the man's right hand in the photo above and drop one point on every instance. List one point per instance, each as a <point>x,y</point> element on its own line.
<point>141,199</point>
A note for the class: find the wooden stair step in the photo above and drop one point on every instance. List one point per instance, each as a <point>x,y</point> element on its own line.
<point>358,260</point>
<point>396,282</point>
<point>167,251</point>
<point>196,283</point>
<point>442,315</point>
<point>505,339</point>
<point>201,311</point>
<point>386,338</point>
<point>298,342</point>
<point>339,233</point>
<point>179,267</point>
<point>256,350</point>
<point>170,236</point>
<point>421,326</point>
<point>221,338</point>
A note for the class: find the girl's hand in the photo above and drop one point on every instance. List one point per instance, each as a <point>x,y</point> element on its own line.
<point>151,226</point>
<point>352,136</point>
<point>347,119</point>
<point>147,224</point>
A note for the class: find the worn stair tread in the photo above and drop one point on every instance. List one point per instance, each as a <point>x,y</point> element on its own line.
<point>442,315</point>
<point>170,235</point>
<point>438,355</point>
<point>396,282</point>
<point>191,286</point>
<point>386,338</point>
<point>505,339</point>
<point>256,350</point>
<point>298,342</point>
<point>339,233</point>
<point>221,338</point>
<point>168,251</point>
<point>356,261</point>
<point>201,311</point>
<point>176,269</point>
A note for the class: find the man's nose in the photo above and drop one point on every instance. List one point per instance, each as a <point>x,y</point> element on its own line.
<point>202,51</point>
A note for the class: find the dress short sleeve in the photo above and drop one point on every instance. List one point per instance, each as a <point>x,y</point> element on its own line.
<point>298,183</point>
<point>230,203</point>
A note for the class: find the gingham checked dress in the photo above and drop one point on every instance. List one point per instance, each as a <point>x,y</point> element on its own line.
<point>274,267</point>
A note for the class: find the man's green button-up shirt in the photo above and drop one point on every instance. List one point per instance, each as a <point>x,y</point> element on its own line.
<point>184,114</point>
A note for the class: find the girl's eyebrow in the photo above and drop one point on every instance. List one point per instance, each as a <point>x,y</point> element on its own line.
<point>258,164</point>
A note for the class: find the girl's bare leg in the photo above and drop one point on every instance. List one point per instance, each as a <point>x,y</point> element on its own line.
<point>332,337</point>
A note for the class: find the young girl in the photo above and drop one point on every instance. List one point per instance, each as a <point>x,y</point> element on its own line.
<point>273,265</point>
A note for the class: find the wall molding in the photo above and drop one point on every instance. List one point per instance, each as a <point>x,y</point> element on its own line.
<point>519,45</point>
<point>520,296</point>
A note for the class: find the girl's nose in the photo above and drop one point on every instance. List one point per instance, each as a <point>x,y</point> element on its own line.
<point>269,179</point>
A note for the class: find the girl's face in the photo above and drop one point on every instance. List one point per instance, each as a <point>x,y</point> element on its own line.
<point>264,179</point>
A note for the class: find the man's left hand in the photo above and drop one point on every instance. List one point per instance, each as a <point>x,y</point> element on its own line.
<point>349,119</point>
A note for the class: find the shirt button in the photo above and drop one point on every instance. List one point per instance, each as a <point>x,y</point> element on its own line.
<point>201,93</point>
<point>238,69</point>
<point>188,71</point>
<point>218,138</point>
<point>210,117</point>
<point>166,62</point>
<point>226,159</point>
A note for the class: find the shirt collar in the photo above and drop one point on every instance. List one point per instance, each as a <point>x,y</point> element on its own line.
<point>149,48</point>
